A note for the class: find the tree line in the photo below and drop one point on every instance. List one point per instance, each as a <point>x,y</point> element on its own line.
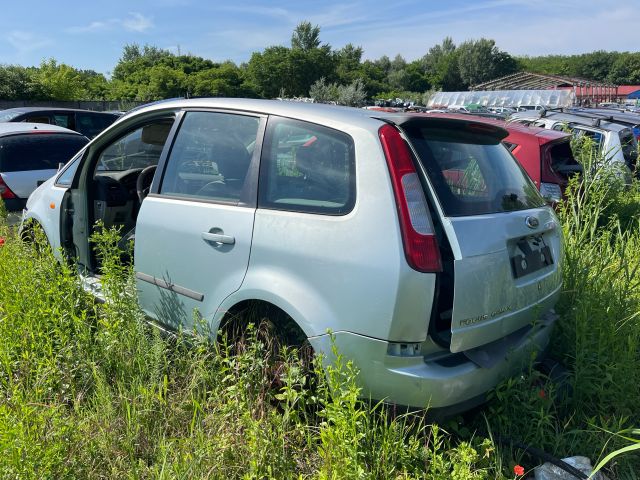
<point>307,67</point>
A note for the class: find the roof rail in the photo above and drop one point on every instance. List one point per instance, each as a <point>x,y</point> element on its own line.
<point>599,117</point>
<point>543,112</point>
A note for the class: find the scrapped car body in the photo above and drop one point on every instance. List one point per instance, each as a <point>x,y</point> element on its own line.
<point>30,154</point>
<point>614,141</point>
<point>418,242</point>
<point>86,122</point>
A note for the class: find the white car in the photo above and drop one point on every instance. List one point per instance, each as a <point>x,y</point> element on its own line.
<point>30,154</point>
<point>615,142</point>
<point>418,241</point>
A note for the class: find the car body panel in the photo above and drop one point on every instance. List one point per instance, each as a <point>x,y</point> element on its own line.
<point>599,126</point>
<point>204,268</point>
<point>23,183</point>
<point>481,312</point>
<point>43,207</point>
<point>420,383</point>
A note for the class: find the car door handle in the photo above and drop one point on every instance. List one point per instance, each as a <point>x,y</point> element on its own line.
<point>218,238</point>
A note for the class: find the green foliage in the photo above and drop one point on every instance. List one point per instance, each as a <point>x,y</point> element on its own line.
<point>61,81</point>
<point>323,92</point>
<point>147,73</point>
<point>18,83</point>
<point>481,60</point>
<point>88,390</point>
<point>293,70</point>
<point>619,68</point>
<point>305,37</point>
<point>441,66</point>
<point>597,336</point>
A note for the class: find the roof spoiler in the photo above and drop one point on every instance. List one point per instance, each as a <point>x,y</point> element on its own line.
<point>469,126</point>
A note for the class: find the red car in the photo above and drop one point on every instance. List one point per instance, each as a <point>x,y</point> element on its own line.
<point>545,154</point>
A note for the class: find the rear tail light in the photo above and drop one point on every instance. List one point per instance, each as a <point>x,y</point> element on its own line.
<point>418,235</point>
<point>5,191</point>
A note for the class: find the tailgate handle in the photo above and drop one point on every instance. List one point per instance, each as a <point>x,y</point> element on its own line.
<point>216,236</point>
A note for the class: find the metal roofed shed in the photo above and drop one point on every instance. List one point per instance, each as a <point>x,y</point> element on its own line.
<point>634,95</point>
<point>504,98</point>
<point>586,91</point>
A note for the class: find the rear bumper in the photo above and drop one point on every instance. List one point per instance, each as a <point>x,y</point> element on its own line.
<point>453,383</point>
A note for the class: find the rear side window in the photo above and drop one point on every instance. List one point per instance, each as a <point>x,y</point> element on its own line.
<point>472,174</point>
<point>38,151</point>
<point>596,137</point>
<point>38,118</point>
<point>629,146</point>
<point>307,168</point>
<point>63,120</point>
<point>91,124</point>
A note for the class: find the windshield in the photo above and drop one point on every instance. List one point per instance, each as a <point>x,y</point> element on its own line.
<point>9,115</point>
<point>473,174</point>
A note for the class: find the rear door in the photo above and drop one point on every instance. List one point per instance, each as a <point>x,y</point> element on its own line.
<point>504,240</point>
<point>194,230</point>
<point>29,159</point>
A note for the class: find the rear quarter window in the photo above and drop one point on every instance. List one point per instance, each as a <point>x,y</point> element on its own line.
<point>629,146</point>
<point>307,168</point>
<point>39,151</point>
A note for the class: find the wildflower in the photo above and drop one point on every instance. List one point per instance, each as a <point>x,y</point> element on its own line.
<point>542,393</point>
<point>518,470</point>
<point>1,241</point>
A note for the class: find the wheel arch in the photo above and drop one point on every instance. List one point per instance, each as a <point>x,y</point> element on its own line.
<point>304,311</point>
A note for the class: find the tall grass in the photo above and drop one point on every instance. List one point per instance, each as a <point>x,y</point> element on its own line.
<point>597,336</point>
<point>89,390</point>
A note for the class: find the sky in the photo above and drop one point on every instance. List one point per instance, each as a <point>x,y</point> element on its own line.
<point>91,34</point>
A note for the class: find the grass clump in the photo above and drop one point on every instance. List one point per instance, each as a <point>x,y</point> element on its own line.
<point>89,390</point>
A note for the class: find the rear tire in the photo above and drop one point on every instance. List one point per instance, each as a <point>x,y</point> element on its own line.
<point>277,332</point>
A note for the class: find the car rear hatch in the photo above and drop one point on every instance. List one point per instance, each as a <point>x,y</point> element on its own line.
<point>29,159</point>
<point>505,242</point>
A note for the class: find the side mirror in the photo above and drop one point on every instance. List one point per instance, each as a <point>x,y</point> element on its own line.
<point>60,165</point>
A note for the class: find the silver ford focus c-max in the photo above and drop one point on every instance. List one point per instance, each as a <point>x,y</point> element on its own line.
<point>417,241</point>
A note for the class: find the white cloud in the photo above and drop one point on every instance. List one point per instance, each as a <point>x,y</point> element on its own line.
<point>137,22</point>
<point>92,27</point>
<point>25,42</point>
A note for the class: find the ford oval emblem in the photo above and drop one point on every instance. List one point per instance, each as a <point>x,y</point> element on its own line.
<point>532,222</point>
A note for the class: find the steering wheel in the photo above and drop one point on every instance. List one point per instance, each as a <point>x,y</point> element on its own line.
<point>143,183</point>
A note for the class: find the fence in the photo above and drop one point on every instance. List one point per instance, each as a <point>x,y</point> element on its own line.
<point>96,105</point>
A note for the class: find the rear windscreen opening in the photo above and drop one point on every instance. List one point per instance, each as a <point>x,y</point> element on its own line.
<point>38,151</point>
<point>562,161</point>
<point>472,173</point>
